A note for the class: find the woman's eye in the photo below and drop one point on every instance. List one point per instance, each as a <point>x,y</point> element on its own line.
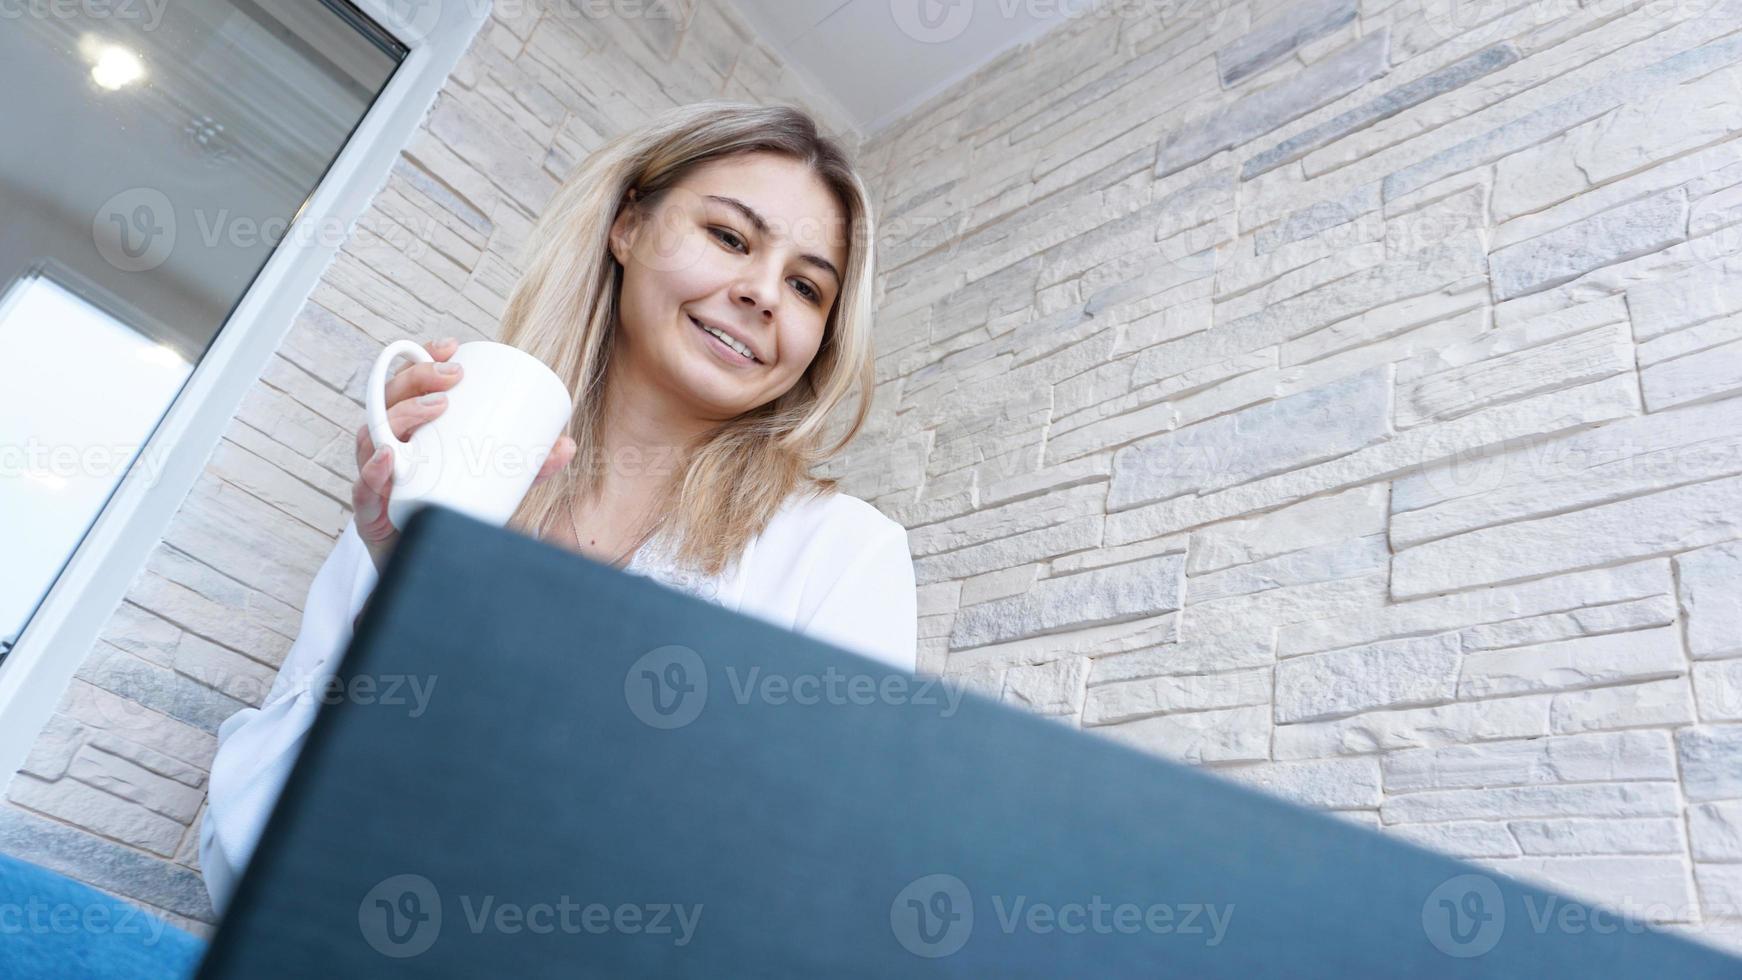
<point>810,292</point>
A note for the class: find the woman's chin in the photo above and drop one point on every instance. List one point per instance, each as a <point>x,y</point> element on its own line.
<point>716,388</point>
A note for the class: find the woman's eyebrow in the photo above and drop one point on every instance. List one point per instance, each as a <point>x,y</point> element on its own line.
<point>756,221</point>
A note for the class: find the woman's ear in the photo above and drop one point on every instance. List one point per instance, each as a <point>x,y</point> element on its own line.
<point>622,228</point>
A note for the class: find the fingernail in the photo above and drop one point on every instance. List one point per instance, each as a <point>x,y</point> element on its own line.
<point>447,367</point>
<point>380,454</point>
<point>433,398</point>
<point>445,341</point>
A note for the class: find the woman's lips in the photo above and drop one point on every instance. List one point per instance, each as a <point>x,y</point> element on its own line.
<point>719,346</point>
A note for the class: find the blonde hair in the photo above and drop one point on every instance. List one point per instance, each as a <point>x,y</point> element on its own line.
<point>564,310</point>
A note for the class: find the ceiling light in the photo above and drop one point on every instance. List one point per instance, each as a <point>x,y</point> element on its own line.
<point>116,67</point>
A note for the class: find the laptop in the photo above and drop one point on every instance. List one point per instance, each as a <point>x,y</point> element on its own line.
<point>540,766</point>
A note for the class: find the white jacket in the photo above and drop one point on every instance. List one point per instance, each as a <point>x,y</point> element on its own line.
<point>834,568</point>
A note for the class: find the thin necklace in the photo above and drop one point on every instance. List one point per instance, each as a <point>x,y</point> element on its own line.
<point>618,563</point>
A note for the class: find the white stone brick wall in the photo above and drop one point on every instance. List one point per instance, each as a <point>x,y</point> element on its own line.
<point>1342,395</point>
<point>113,790</point>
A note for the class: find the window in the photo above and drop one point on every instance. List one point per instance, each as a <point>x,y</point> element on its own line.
<point>174,144</point>
<point>173,181</point>
<point>63,441</point>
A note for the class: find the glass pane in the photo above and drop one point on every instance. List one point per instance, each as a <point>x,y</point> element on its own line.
<point>171,145</point>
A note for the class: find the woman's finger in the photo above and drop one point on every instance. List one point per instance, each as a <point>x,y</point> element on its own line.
<point>365,445</point>
<point>416,379</point>
<point>407,408</point>
<point>404,418</point>
<point>369,496</point>
<point>420,379</point>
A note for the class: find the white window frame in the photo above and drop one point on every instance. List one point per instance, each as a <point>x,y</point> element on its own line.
<point>35,675</point>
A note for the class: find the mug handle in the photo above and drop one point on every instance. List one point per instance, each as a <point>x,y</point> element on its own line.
<point>375,403</point>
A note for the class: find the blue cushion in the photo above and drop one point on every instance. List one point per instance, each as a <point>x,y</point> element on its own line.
<point>52,927</point>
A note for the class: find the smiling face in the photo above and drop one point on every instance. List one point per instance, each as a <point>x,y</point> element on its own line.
<point>761,269</point>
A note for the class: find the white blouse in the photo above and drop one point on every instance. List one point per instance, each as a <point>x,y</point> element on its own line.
<point>832,567</point>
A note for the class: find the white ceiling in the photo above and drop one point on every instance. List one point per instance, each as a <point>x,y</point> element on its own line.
<point>882,58</point>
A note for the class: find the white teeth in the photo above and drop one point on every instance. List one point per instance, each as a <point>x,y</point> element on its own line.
<point>725,339</point>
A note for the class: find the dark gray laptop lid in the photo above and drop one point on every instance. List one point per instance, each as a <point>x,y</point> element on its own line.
<point>603,777</point>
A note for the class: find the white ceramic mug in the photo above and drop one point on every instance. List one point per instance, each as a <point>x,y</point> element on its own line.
<point>481,454</point>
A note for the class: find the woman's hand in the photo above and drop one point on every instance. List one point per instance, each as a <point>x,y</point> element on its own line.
<point>416,394</point>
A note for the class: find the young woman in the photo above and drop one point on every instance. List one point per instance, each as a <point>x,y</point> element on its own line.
<point>704,283</point>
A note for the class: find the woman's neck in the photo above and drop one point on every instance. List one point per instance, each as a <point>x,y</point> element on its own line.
<point>644,442</point>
